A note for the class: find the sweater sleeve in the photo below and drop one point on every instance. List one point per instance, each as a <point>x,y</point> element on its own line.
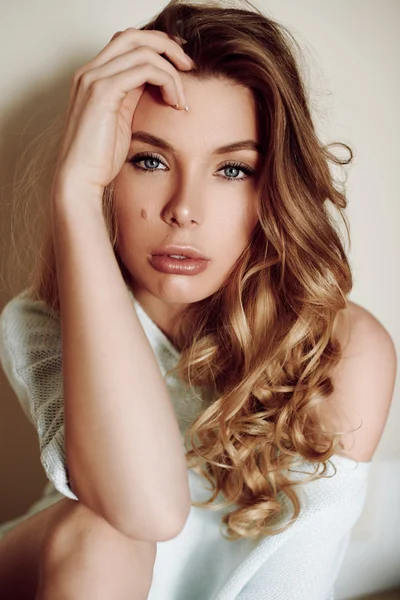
<point>305,568</point>
<point>31,358</point>
<point>305,565</point>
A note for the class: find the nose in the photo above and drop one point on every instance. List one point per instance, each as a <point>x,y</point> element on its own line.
<point>185,207</point>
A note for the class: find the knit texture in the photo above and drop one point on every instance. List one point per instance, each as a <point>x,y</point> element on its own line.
<point>301,563</point>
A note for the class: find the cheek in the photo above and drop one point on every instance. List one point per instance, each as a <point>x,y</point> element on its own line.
<point>241,223</point>
<point>128,208</point>
<point>128,191</point>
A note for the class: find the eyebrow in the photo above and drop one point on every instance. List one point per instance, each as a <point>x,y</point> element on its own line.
<point>148,138</point>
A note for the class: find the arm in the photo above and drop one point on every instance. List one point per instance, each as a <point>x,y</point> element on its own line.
<point>123,444</point>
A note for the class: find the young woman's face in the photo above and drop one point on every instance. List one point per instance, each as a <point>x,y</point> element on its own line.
<point>187,195</point>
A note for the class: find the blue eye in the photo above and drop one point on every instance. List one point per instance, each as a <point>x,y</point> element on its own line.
<point>142,157</point>
<point>238,167</point>
<point>135,160</point>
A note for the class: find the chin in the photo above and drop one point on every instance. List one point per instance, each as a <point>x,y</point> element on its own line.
<point>177,289</point>
<point>173,288</point>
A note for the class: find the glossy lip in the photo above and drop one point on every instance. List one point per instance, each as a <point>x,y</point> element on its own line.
<point>189,251</point>
<point>176,266</point>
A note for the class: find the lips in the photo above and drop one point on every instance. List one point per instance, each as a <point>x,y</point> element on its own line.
<point>178,266</point>
<point>179,256</point>
<point>186,251</point>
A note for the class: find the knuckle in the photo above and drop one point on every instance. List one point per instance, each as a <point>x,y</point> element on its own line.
<point>162,34</point>
<point>169,76</point>
<point>149,68</point>
<point>147,51</point>
<point>176,78</point>
<point>77,76</point>
<point>116,34</point>
<point>96,87</point>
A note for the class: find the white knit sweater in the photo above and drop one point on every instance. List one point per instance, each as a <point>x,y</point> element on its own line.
<point>301,563</point>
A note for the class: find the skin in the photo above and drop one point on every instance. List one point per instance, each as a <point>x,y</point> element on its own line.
<point>189,199</point>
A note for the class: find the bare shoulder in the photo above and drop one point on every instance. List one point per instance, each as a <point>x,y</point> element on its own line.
<point>363,381</point>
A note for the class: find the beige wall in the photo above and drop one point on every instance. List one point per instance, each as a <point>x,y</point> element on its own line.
<point>352,51</point>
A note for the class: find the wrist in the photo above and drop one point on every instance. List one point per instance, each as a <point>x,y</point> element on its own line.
<point>70,185</point>
<point>75,208</point>
<point>69,195</point>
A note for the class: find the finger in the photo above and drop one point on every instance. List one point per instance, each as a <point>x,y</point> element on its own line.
<point>111,91</point>
<point>130,39</point>
<point>123,41</point>
<point>177,38</point>
<point>115,35</point>
<point>131,60</point>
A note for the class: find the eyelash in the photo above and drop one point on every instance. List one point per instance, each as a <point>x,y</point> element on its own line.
<point>139,157</point>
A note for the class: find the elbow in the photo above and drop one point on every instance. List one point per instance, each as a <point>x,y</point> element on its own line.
<point>133,523</point>
<point>159,523</point>
<point>137,521</point>
<point>150,529</point>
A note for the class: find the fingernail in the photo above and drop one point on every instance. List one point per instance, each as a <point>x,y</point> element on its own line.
<point>177,106</point>
<point>188,61</point>
<point>179,40</point>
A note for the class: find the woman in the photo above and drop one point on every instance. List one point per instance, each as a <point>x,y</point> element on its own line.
<point>242,342</point>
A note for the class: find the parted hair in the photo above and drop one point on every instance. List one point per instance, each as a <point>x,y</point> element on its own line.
<point>263,346</point>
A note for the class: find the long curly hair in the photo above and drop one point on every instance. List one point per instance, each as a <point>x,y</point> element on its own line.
<point>263,346</point>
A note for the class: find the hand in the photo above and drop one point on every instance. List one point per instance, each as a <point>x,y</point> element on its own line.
<point>103,98</point>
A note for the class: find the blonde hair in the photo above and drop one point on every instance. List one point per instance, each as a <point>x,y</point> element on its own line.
<point>263,345</point>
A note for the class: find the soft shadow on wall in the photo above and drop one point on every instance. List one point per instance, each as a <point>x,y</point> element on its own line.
<point>21,473</point>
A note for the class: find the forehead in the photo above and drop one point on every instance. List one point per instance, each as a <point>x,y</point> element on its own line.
<point>220,111</point>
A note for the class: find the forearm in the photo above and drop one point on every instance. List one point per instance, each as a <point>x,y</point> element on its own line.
<point>123,444</point>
